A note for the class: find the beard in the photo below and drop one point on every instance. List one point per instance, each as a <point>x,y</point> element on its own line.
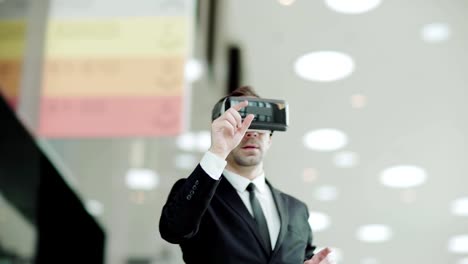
<point>244,160</point>
<point>247,161</point>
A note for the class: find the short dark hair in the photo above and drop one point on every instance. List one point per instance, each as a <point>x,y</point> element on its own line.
<point>244,91</point>
<point>241,91</point>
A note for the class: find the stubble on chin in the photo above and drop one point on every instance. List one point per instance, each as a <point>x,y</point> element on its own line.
<point>247,161</point>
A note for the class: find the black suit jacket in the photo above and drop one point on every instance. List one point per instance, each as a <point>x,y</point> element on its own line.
<point>212,225</point>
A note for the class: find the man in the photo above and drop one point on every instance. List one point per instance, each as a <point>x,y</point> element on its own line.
<point>226,212</point>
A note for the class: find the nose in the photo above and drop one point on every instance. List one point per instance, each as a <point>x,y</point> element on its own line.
<point>251,134</point>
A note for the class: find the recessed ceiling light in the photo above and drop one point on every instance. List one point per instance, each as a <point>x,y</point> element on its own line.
<point>194,70</point>
<point>326,193</point>
<point>403,176</point>
<point>318,221</point>
<point>286,2</point>
<point>325,139</point>
<point>141,179</point>
<point>191,141</point>
<point>458,244</point>
<point>187,141</point>
<point>352,6</point>
<point>324,66</point>
<point>203,141</point>
<point>435,32</point>
<point>186,161</point>
<point>345,159</point>
<point>460,206</point>
<point>94,207</point>
<point>374,233</point>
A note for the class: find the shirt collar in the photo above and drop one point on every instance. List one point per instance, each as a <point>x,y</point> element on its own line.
<point>240,183</point>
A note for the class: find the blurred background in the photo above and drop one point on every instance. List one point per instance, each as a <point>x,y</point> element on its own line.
<point>109,103</point>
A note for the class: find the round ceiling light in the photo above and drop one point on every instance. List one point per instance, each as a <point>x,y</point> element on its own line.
<point>435,32</point>
<point>324,66</point>
<point>318,221</point>
<point>352,6</point>
<point>325,139</point>
<point>374,233</point>
<point>403,176</point>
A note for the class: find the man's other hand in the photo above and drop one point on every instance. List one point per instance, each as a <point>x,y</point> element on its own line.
<point>321,258</point>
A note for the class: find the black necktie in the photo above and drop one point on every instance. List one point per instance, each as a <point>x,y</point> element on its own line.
<point>259,216</point>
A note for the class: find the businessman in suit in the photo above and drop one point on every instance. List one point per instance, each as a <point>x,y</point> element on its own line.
<point>227,212</point>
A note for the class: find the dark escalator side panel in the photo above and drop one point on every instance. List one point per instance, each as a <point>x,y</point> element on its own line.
<point>66,233</point>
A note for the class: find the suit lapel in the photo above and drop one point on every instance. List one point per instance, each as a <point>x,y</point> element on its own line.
<point>283,214</point>
<point>229,195</point>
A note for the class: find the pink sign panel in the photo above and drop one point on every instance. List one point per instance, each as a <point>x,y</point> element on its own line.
<point>111,117</point>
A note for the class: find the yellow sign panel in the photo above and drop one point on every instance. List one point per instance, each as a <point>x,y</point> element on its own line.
<point>12,34</point>
<point>132,37</point>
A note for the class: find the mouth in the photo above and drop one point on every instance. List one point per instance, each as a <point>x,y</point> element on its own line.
<point>250,146</point>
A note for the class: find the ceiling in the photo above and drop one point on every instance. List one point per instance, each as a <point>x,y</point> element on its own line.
<point>414,114</point>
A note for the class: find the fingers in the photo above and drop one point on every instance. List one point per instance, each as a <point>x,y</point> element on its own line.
<point>240,105</point>
<point>324,252</point>
<point>235,116</point>
<point>246,124</point>
<point>232,115</point>
<point>232,121</point>
<point>321,255</point>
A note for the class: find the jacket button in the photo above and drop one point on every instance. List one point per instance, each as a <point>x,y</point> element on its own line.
<point>196,182</point>
<point>189,197</point>
<point>194,187</point>
<point>191,192</point>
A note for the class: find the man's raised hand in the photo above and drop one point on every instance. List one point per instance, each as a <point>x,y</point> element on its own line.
<point>228,130</point>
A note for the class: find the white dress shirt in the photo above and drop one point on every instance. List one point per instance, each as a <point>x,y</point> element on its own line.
<point>215,167</point>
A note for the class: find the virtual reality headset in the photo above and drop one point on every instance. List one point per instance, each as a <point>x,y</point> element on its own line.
<point>270,114</point>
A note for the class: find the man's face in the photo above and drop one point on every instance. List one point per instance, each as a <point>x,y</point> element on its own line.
<point>251,149</point>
